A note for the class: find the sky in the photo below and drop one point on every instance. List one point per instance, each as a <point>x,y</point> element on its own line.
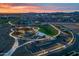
<point>38,7</point>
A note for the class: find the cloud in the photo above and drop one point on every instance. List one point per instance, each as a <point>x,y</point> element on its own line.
<point>27,7</point>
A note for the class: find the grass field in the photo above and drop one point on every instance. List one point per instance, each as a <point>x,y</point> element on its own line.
<point>48,30</point>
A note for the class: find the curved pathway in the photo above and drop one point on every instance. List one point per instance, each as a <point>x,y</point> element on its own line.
<point>14,47</point>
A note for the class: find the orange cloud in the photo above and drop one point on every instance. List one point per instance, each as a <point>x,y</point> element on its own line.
<point>10,8</point>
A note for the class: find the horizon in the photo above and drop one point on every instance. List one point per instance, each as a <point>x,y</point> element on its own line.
<point>40,13</point>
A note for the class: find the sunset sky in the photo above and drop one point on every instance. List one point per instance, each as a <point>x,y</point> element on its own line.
<point>38,7</point>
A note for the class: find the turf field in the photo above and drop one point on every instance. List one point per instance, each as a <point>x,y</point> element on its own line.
<point>48,30</point>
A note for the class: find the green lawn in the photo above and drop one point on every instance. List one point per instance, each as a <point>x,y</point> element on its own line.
<point>48,30</point>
